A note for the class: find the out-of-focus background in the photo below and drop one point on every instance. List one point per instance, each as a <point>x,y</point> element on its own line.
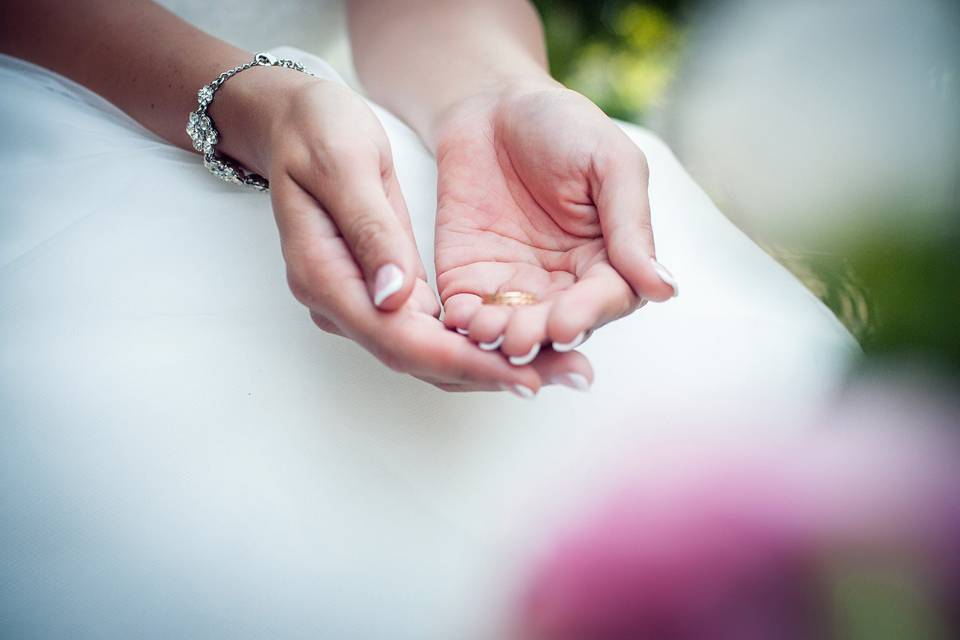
<point>621,53</point>
<point>828,131</point>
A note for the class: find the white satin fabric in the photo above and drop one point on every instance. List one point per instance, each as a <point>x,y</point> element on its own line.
<point>183,454</point>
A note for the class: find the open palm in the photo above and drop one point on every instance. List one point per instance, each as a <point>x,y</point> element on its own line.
<point>539,191</point>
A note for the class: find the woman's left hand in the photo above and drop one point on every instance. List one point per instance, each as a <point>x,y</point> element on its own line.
<point>540,191</point>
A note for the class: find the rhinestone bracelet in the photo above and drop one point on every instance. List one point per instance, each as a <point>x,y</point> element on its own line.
<point>205,136</point>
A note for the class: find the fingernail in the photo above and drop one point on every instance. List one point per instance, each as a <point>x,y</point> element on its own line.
<point>490,346</point>
<point>519,390</point>
<point>666,276</point>
<point>389,280</point>
<point>519,361</point>
<point>463,332</point>
<point>570,346</point>
<point>573,380</point>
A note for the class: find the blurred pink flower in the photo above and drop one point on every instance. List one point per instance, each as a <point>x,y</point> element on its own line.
<point>744,544</point>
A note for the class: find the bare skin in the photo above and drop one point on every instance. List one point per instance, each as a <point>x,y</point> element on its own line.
<point>544,222</point>
<point>335,195</point>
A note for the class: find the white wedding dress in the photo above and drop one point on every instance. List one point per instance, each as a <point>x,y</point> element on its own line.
<point>184,455</point>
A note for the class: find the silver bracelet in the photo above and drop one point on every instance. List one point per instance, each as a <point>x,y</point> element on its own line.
<point>204,134</point>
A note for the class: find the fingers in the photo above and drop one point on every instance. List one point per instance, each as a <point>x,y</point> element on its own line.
<point>518,334</point>
<point>374,224</point>
<point>571,369</point>
<point>325,323</point>
<point>424,299</point>
<point>525,332</point>
<point>420,345</point>
<point>620,188</point>
<point>395,198</point>
<point>488,326</point>
<point>314,252</point>
<point>459,310</point>
<point>416,343</point>
<point>563,319</point>
<point>324,276</point>
<point>599,297</point>
<point>412,340</point>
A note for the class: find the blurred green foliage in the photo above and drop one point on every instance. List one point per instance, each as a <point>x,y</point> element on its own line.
<point>622,54</point>
<point>899,295</point>
<point>913,287</point>
<point>878,598</point>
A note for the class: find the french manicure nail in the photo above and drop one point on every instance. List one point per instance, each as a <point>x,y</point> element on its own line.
<point>570,346</point>
<point>519,390</point>
<point>519,361</point>
<point>389,280</point>
<point>573,380</point>
<point>666,276</point>
<point>462,331</point>
<point>490,346</point>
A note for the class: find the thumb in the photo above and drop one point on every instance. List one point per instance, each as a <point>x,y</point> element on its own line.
<point>380,243</point>
<point>624,211</point>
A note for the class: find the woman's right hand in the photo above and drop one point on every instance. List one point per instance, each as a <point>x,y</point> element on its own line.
<point>350,251</point>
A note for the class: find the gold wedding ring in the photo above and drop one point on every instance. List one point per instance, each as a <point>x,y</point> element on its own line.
<point>511,298</point>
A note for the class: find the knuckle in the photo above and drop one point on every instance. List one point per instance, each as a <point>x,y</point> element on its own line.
<point>600,160</point>
<point>367,234</point>
<point>332,162</point>
<point>299,283</point>
<point>307,284</point>
<point>342,154</point>
<point>563,328</point>
<point>324,323</point>
<point>627,304</point>
<point>387,169</point>
<point>623,159</point>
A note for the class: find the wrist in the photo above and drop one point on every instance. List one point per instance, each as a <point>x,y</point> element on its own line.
<point>449,120</point>
<point>246,109</point>
<point>482,95</point>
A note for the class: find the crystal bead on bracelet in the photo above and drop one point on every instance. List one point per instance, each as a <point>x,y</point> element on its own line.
<point>204,134</point>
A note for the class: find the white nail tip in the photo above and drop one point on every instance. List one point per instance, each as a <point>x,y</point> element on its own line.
<point>574,381</point>
<point>519,361</point>
<point>463,332</point>
<point>666,276</point>
<point>490,346</point>
<point>519,390</point>
<point>570,346</point>
<point>388,281</point>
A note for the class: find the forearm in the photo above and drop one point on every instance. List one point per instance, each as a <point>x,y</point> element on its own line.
<point>420,58</point>
<point>137,55</point>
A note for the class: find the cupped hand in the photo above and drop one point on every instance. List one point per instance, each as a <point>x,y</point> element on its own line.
<point>347,241</point>
<point>540,191</point>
